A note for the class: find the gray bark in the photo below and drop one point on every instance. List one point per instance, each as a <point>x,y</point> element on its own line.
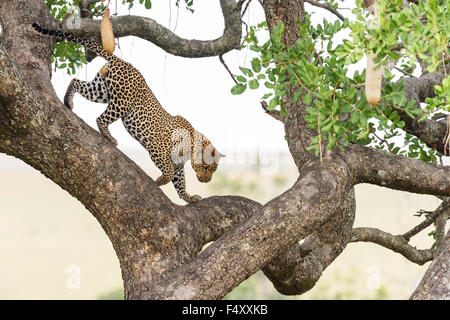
<point>435,284</point>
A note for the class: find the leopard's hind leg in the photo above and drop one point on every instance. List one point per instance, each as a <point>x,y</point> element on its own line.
<point>114,111</point>
<point>94,90</point>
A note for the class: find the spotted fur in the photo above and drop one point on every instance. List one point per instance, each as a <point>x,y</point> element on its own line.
<point>170,140</point>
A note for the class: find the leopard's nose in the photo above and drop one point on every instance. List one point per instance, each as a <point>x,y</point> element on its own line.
<point>203,179</point>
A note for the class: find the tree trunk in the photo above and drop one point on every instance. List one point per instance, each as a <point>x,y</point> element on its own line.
<point>435,284</point>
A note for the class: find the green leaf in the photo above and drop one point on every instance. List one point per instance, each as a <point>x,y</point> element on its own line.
<point>272,104</point>
<point>307,98</point>
<point>238,89</point>
<point>246,71</point>
<point>354,117</point>
<point>256,65</point>
<point>255,48</point>
<point>269,85</point>
<point>241,79</point>
<point>297,95</point>
<point>253,84</point>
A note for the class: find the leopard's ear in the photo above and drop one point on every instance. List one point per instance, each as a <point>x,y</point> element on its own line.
<point>216,154</point>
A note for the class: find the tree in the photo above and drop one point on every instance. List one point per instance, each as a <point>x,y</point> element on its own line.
<point>335,138</point>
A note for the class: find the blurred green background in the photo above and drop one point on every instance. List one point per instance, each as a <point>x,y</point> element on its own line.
<point>47,237</point>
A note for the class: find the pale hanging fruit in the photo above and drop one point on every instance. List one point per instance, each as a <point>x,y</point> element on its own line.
<point>106,31</point>
<point>373,81</point>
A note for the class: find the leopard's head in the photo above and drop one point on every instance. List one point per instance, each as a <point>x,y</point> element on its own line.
<point>205,163</point>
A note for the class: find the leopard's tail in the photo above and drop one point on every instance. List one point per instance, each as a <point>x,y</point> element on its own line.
<point>89,44</point>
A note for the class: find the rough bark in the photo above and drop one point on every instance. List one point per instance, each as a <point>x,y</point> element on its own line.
<point>395,243</point>
<point>298,269</point>
<point>435,284</point>
<point>385,169</point>
<point>430,131</point>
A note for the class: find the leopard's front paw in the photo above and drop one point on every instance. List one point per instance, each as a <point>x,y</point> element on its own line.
<point>113,141</point>
<point>68,102</point>
<point>192,199</point>
<point>68,97</point>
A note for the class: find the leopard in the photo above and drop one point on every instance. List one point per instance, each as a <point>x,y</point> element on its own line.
<point>170,140</point>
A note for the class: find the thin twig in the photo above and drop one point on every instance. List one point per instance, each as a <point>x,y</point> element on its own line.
<point>443,207</point>
<point>246,32</point>
<point>246,7</point>
<point>404,72</point>
<point>382,141</point>
<point>326,6</point>
<point>245,23</point>
<point>439,116</point>
<point>226,67</point>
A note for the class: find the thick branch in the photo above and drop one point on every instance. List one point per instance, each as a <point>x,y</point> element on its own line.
<point>298,135</point>
<point>295,270</point>
<point>431,132</point>
<point>159,35</point>
<point>395,243</point>
<point>397,172</point>
<point>216,215</point>
<point>298,269</point>
<point>441,223</point>
<point>84,7</point>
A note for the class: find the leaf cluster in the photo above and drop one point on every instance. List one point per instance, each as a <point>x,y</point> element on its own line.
<point>315,73</point>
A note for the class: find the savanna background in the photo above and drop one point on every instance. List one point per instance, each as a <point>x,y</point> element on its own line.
<point>51,247</point>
